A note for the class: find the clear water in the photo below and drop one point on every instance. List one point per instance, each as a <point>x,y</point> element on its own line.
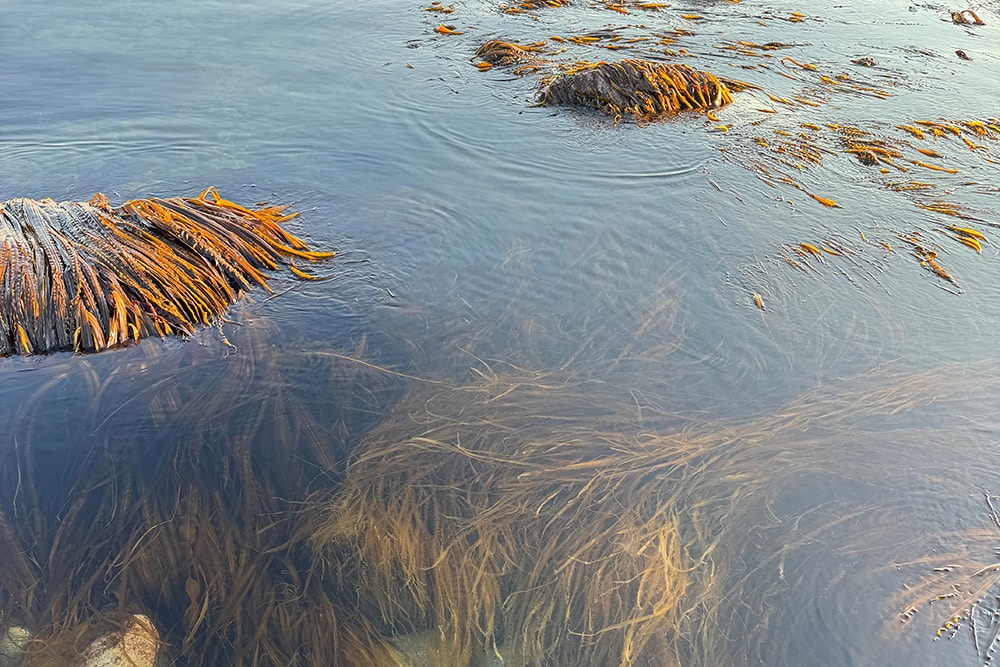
<point>455,203</point>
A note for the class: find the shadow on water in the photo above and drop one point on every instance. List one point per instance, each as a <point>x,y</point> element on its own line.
<point>538,517</point>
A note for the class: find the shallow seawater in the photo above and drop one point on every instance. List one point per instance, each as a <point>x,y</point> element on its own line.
<point>477,230</point>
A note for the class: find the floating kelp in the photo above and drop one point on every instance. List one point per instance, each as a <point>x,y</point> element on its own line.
<point>503,54</point>
<point>800,155</point>
<point>792,81</point>
<point>957,587</point>
<point>642,89</point>
<point>530,5</point>
<point>960,18</point>
<point>89,276</point>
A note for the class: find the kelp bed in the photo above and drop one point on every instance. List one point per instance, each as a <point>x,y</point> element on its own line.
<point>545,517</point>
<point>791,128</point>
<point>89,276</point>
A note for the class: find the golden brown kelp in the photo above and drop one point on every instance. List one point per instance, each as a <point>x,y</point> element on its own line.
<point>530,5</point>
<point>528,512</point>
<point>500,53</point>
<point>955,587</point>
<point>639,88</point>
<point>88,276</point>
<point>467,525</point>
<point>190,519</point>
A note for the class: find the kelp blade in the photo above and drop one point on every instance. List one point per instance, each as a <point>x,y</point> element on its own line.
<point>89,276</point>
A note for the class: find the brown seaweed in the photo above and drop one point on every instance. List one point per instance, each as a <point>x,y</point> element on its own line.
<point>503,54</point>
<point>189,520</point>
<point>552,517</point>
<point>523,514</point>
<point>638,88</point>
<point>89,276</point>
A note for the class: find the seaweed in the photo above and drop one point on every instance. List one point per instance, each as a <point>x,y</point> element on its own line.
<point>87,276</point>
<point>639,88</point>
<point>191,519</point>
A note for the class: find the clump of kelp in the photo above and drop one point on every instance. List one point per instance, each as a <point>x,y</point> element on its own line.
<point>89,276</point>
<point>640,88</point>
<point>497,52</point>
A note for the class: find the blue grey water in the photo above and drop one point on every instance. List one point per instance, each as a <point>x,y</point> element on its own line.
<point>453,201</point>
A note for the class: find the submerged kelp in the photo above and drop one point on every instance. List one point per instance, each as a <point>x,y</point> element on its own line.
<point>89,276</point>
<point>553,517</point>
<point>503,54</point>
<point>956,588</point>
<point>191,520</point>
<point>526,511</point>
<point>639,88</point>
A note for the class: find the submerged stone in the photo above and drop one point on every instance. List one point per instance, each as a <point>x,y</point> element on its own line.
<point>137,645</point>
<point>12,643</point>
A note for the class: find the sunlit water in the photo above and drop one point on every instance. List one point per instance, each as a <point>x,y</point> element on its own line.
<point>458,206</point>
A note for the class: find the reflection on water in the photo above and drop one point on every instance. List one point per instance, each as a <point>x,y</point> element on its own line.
<point>642,465</point>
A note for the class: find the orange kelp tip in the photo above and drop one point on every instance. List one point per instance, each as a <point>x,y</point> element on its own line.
<point>89,276</point>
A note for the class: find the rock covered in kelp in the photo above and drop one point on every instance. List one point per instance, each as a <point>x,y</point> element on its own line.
<point>637,87</point>
<point>503,54</point>
<point>86,276</point>
<point>136,645</point>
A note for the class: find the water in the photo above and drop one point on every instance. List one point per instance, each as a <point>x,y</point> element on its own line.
<point>476,229</point>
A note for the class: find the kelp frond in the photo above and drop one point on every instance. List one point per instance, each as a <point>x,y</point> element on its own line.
<point>638,88</point>
<point>89,276</point>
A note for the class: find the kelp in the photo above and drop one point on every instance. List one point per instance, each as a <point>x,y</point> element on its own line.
<point>639,88</point>
<point>793,88</point>
<point>526,515</point>
<point>552,517</point>
<point>89,276</point>
<point>956,588</point>
<point>503,54</point>
<point>189,519</point>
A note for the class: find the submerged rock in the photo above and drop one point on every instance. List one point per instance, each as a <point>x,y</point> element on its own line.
<point>12,642</point>
<point>137,645</point>
<point>638,88</point>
